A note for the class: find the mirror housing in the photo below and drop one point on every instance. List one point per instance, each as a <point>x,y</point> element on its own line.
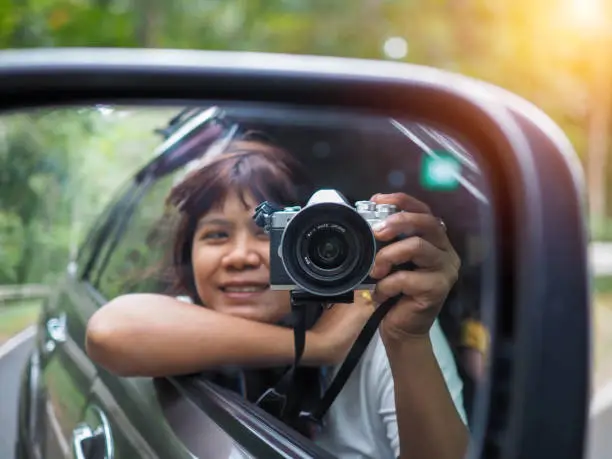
<point>535,402</point>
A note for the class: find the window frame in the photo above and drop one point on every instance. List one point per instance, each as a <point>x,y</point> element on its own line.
<point>256,431</point>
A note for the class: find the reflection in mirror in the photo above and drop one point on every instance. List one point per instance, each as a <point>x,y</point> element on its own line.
<point>218,240</point>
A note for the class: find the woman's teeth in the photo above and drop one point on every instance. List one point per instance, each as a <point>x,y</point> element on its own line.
<point>245,289</point>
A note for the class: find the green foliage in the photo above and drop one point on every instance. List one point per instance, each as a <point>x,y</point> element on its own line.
<point>602,284</point>
<point>534,49</point>
<point>57,168</point>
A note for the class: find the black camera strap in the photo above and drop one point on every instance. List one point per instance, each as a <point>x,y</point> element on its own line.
<point>352,359</point>
<point>275,400</point>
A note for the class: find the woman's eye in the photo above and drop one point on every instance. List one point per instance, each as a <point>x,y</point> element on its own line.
<point>215,235</point>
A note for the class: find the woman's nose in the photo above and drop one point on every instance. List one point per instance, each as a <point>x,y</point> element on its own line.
<point>243,254</point>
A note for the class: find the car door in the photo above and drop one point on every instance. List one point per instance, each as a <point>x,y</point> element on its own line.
<point>141,420</point>
<point>253,431</point>
<point>67,372</point>
<point>132,417</point>
<point>126,407</point>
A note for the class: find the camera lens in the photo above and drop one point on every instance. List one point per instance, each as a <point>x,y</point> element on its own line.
<point>327,248</point>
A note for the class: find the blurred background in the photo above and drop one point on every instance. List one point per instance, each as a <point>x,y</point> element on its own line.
<point>58,168</point>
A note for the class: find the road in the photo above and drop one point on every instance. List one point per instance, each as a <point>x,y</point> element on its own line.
<point>11,364</point>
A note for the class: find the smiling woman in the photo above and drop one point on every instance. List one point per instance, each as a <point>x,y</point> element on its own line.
<point>216,204</point>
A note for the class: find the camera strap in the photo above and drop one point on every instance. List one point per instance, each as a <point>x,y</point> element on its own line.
<point>275,400</point>
<point>352,359</point>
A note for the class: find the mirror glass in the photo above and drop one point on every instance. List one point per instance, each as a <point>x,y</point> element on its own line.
<point>102,201</point>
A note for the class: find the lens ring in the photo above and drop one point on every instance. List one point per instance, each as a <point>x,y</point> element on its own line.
<point>361,250</point>
<point>315,269</point>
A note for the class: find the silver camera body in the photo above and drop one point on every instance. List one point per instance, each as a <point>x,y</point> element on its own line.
<point>326,248</point>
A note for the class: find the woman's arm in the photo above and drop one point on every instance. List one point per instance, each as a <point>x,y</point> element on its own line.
<point>157,335</point>
<point>391,390</point>
<point>428,421</point>
<point>429,424</point>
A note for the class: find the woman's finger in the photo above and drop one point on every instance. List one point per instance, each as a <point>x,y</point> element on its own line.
<point>415,284</point>
<point>403,202</point>
<point>414,249</point>
<point>407,224</point>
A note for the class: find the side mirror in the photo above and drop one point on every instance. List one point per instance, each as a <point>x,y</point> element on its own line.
<point>500,173</point>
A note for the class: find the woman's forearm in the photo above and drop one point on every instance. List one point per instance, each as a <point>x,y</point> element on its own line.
<point>155,335</point>
<point>428,422</point>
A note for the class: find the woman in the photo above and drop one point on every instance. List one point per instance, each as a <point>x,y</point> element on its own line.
<point>403,396</point>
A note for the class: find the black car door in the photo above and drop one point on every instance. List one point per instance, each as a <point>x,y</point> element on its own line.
<point>133,411</point>
<point>68,374</point>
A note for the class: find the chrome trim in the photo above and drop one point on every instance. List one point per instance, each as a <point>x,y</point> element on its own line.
<point>123,422</point>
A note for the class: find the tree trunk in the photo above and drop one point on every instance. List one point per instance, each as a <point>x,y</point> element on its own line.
<point>148,23</point>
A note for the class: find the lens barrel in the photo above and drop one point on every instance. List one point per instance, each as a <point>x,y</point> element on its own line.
<point>328,249</point>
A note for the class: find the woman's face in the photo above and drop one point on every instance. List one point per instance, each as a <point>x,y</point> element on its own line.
<point>231,263</point>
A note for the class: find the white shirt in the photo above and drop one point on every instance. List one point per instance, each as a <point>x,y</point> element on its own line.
<point>362,422</point>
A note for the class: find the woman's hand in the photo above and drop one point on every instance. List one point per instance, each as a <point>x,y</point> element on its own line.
<point>338,328</point>
<point>424,289</point>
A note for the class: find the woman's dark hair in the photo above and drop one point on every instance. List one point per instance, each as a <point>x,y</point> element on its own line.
<point>251,168</point>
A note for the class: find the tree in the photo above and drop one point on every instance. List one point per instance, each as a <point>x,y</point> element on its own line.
<point>49,159</point>
<point>58,169</point>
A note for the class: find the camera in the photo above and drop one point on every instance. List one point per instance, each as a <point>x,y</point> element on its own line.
<point>326,248</point>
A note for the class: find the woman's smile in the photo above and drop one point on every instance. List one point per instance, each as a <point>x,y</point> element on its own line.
<point>244,290</point>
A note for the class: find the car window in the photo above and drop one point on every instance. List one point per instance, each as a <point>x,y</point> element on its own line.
<point>142,244</point>
<point>99,235</point>
<point>138,249</point>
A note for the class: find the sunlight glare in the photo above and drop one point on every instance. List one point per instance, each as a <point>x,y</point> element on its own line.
<point>587,13</point>
<point>395,47</point>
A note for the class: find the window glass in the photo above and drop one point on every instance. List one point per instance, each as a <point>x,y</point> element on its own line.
<point>91,252</point>
<point>136,262</point>
<point>138,255</point>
